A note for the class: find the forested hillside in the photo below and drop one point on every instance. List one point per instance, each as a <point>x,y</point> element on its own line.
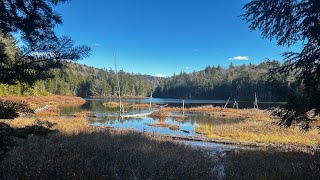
<point>240,82</point>
<point>84,81</point>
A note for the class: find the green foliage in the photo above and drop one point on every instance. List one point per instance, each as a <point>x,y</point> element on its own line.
<point>31,64</point>
<point>35,20</point>
<point>240,82</point>
<point>290,22</point>
<point>10,109</point>
<point>81,80</point>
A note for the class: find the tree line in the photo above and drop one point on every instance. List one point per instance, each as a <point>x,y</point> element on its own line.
<point>85,81</point>
<point>240,82</point>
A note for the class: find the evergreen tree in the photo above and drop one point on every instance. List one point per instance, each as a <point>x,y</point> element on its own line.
<point>291,22</point>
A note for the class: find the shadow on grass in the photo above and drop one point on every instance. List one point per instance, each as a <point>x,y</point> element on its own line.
<point>272,164</point>
<point>8,134</point>
<point>106,154</point>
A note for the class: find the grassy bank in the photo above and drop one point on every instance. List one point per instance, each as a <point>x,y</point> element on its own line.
<point>40,101</point>
<point>221,112</point>
<point>79,151</point>
<point>117,97</point>
<point>254,127</point>
<point>76,150</point>
<point>258,131</point>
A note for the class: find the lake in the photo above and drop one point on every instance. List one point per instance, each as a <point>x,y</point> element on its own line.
<point>108,116</point>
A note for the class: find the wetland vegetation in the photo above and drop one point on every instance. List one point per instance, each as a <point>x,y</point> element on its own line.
<point>63,120</point>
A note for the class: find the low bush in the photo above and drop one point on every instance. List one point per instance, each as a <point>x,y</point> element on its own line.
<point>12,109</point>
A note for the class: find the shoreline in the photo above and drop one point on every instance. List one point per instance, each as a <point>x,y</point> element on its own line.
<point>204,139</point>
<point>51,100</point>
<point>75,141</point>
<point>116,97</point>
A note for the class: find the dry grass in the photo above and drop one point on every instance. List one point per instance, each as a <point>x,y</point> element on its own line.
<point>159,114</point>
<point>160,124</point>
<point>65,125</point>
<point>51,111</point>
<point>144,105</point>
<point>171,109</point>
<point>233,113</point>
<point>117,97</point>
<point>271,164</point>
<point>255,131</point>
<point>114,104</point>
<point>79,151</point>
<point>174,127</point>
<point>40,101</point>
<point>227,113</point>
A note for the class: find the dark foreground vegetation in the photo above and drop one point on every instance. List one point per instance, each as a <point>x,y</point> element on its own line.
<point>69,148</point>
<point>107,155</point>
<point>78,151</point>
<point>271,163</point>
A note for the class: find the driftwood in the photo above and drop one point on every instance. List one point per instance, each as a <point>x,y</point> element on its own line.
<point>137,115</point>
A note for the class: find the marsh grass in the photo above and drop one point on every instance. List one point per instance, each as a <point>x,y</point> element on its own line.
<point>159,124</point>
<point>255,131</point>
<point>270,163</point>
<point>254,126</point>
<point>40,101</point>
<point>159,114</point>
<point>114,104</point>
<point>174,128</point>
<point>80,151</point>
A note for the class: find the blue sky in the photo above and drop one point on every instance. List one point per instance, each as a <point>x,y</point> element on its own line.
<point>164,36</point>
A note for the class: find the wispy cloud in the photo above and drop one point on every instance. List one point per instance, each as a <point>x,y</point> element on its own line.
<point>96,44</point>
<point>160,75</point>
<point>239,58</point>
<point>195,51</point>
<point>187,68</point>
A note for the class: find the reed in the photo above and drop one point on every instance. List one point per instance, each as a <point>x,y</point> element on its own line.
<point>160,124</point>
<point>80,151</point>
<point>174,127</point>
<point>260,131</point>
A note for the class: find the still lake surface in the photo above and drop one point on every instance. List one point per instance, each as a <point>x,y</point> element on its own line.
<point>108,116</point>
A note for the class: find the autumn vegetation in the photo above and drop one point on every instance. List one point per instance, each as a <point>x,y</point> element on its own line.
<point>77,150</point>
<point>36,142</point>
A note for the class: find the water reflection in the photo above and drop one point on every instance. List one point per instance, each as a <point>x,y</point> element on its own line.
<point>108,116</point>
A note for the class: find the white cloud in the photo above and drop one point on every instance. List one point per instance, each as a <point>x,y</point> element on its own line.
<point>160,75</point>
<point>187,68</point>
<point>239,58</point>
<point>96,44</point>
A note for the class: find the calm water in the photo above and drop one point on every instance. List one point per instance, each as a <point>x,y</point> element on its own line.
<point>106,116</point>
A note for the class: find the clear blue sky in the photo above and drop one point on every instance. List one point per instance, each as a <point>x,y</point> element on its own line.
<point>164,36</point>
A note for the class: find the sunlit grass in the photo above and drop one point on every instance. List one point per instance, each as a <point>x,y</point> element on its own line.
<point>254,131</point>
<point>65,125</point>
<point>221,112</point>
<point>159,124</point>
<point>40,101</point>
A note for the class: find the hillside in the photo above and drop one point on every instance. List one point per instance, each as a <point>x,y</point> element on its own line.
<point>82,80</point>
<point>240,82</point>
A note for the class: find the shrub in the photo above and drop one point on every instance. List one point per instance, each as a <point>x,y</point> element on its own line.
<point>11,109</point>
